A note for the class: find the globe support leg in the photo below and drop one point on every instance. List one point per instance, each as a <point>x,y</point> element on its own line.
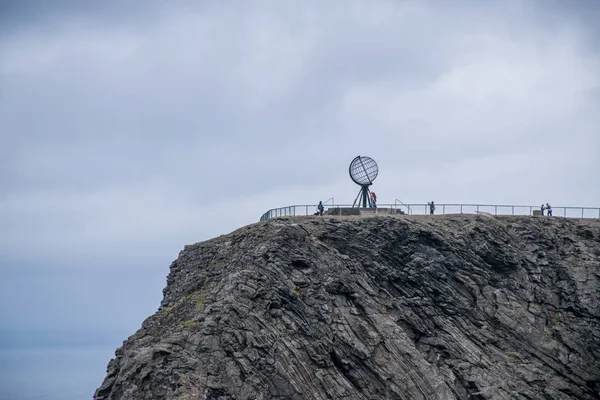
<point>362,196</point>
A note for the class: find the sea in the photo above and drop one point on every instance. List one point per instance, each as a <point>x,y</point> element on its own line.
<point>52,373</point>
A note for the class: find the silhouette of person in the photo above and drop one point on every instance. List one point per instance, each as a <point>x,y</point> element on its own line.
<point>320,208</point>
<point>431,208</point>
<point>549,209</point>
<point>543,208</point>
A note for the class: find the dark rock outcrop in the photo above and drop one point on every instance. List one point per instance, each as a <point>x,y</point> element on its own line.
<point>397,307</point>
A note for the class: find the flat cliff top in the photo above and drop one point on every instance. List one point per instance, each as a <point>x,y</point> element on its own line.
<point>379,307</point>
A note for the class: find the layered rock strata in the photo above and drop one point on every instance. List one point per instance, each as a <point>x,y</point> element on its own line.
<point>395,307</point>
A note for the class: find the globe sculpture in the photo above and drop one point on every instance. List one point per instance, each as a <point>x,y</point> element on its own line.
<point>363,171</point>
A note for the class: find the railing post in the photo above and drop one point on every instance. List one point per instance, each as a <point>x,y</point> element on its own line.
<point>582,209</point>
<point>513,210</point>
<point>495,210</point>
<point>565,212</point>
<point>530,210</point>
<point>443,209</point>
<point>461,208</point>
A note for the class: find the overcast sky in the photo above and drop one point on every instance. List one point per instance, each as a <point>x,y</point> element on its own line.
<point>129,129</point>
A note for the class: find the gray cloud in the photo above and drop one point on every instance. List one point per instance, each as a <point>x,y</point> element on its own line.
<point>131,130</point>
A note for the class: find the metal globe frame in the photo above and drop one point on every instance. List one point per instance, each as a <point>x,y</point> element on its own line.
<point>363,171</point>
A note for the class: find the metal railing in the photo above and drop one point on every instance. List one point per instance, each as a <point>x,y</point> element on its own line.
<point>408,209</point>
<point>423,209</point>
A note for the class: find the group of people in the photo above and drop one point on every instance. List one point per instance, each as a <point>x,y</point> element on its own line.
<point>547,208</point>
<point>431,204</point>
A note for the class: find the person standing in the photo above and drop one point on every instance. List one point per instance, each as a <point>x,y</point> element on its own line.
<point>373,198</point>
<point>549,209</point>
<point>320,208</point>
<point>431,208</point>
<point>543,208</point>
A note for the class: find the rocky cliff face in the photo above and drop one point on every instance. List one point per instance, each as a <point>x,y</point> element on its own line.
<point>405,307</point>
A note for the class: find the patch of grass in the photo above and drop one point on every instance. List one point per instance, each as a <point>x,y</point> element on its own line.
<point>189,324</point>
<point>199,296</point>
<point>512,354</point>
<point>297,291</point>
<point>554,319</point>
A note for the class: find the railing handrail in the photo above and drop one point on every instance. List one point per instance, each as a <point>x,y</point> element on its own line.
<point>304,209</point>
<point>444,204</point>
<point>407,206</point>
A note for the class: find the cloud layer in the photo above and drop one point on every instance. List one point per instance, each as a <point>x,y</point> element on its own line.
<point>128,132</point>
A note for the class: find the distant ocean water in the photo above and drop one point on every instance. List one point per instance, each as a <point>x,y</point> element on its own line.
<point>52,373</point>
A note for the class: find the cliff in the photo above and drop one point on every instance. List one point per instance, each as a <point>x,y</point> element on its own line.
<point>397,307</point>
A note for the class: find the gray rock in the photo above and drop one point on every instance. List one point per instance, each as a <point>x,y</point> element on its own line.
<point>395,307</point>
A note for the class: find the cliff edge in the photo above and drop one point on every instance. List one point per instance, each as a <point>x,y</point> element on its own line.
<point>395,307</point>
